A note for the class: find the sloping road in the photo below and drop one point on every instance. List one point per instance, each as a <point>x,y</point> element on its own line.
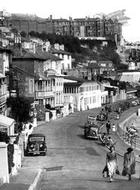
<point>72,162</point>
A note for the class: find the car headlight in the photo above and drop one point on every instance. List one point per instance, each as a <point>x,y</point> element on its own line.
<point>31,146</point>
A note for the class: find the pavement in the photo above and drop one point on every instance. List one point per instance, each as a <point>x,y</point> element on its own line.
<point>28,178</point>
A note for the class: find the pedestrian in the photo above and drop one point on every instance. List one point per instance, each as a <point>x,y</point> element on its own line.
<point>10,149</point>
<point>110,142</point>
<point>129,163</point>
<point>108,127</point>
<point>111,162</point>
<point>113,127</point>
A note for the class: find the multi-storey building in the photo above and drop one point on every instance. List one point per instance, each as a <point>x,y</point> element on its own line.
<point>49,89</point>
<point>5,59</point>
<point>109,26</point>
<point>27,66</point>
<point>66,59</point>
<point>44,84</point>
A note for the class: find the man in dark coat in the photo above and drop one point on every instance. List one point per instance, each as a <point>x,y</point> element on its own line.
<point>10,149</point>
<point>108,127</point>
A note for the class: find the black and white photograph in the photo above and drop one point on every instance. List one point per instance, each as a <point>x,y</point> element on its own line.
<point>69,95</point>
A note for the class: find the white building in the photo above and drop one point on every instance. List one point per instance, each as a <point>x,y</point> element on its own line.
<point>65,56</point>
<point>49,89</point>
<point>129,76</point>
<point>82,95</point>
<point>4,67</point>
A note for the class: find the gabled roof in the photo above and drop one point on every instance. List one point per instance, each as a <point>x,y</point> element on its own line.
<point>6,121</point>
<point>28,55</point>
<point>73,78</point>
<point>48,56</point>
<point>15,68</point>
<point>59,51</point>
<point>92,66</point>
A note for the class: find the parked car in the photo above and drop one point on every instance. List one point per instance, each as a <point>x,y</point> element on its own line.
<point>36,145</point>
<point>92,131</point>
<point>135,102</point>
<point>114,115</point>
<point>91,119</point>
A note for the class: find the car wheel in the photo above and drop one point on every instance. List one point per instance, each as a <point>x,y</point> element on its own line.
<point>44,154</point>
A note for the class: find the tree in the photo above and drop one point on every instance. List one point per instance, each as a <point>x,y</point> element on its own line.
<point>20,108</point>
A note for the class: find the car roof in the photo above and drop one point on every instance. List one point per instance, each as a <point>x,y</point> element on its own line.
<point>37,135</point>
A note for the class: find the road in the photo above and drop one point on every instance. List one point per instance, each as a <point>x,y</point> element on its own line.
<point>72,162</point>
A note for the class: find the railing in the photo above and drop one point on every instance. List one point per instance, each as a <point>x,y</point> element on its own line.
<point>3,99</point>
<point>131,139</point>
<point>42,94</point>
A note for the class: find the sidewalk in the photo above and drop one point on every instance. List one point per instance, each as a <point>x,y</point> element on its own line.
<point>26,179</point>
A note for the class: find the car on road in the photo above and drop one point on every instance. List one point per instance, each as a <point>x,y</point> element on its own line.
<point>92,131</point>
<point>36,145</point>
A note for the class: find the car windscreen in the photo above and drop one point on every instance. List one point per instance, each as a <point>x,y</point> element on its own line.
<point>36,139</point>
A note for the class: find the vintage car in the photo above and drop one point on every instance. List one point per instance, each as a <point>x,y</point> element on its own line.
<point>91,119</point>
<point>114,115</point>
<point>36,145</point>
<point>92,131</point>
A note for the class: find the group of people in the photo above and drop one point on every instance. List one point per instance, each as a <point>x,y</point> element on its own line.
<point>111,166</point>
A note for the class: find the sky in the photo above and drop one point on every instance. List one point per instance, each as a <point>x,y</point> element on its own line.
<point>78,9</point>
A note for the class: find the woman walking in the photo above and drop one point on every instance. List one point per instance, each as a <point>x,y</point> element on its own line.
<point>129,163</point>
<point>111,162</point>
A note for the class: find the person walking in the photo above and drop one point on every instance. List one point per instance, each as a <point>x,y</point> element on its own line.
<point>111,162</point>
<point>108,127</point>
<point>10,149</point>
<point>129,163</point>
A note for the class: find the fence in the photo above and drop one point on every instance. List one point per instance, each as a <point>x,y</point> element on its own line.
<point>132,139</point>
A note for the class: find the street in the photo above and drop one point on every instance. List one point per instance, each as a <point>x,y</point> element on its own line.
<point>72,162</point>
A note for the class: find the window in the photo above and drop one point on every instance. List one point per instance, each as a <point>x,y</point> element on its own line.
<point>31,86</point>
<point>39,85</point>
<point>53,82</point>
<point>94,99</point>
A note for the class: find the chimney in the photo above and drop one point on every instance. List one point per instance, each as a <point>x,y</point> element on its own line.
<point>51,17</point>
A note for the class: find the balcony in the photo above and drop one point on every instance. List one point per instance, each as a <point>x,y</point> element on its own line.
<point>43,94</point>
<point>3,99</point>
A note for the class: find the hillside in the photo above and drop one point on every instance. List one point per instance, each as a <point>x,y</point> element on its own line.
<point>81,50</point>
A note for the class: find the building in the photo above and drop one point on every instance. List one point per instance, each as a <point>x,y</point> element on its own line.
<point>44,84</point>
<point>132,76</point>
<point>5,59</point>
<point>51,61</point>
<point>49,89</point>
<point>107,26</point>
<point>81,95</point>
<point>21,83</point>
<point>66,59</point>
<point>27,66</point>
<point>106,67</point>
<point>91,69</point>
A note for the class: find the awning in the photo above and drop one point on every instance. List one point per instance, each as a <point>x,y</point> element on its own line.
<point>131,91</point>
<point>2,76</point>
<point>6,121</point>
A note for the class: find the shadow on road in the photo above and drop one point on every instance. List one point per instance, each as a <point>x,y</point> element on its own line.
<point>87,139</point>
<point>81,126</point>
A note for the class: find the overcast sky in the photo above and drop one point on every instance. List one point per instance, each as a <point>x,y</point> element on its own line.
<point>79,8</point>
